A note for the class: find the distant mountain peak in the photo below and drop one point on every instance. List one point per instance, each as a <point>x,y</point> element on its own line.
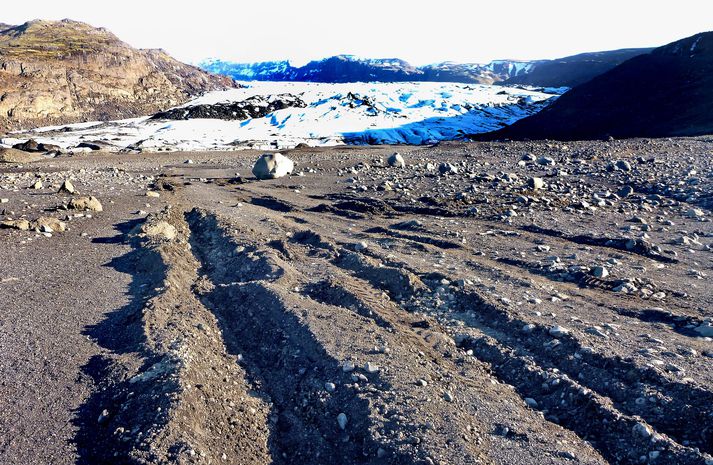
<point>563,72</point>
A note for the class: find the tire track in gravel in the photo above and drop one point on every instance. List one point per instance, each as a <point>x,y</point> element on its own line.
<point>397,414</point>
<point>187,396</point>
<point>682,323</point>
<point>402,283</point>
<point>681,408</point>
<point>246,290</point>
<point>397,282</point>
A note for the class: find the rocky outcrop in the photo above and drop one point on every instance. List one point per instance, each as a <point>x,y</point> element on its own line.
<point>58,72</point>
<point>257,106</point>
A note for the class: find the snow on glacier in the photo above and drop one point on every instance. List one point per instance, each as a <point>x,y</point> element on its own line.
<point>352,113</point>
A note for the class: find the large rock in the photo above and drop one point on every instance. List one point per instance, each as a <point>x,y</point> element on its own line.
<point>31,145</point>
<point>86,203</point>
<point>49,224</point>
<point>397,161</point>
<point>273,165</point>
<point>22,225</point>
<point>18,156</point>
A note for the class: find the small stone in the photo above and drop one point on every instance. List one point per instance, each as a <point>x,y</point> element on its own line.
<point>545,161</point>
<point>22,225</point>
<point>342,420</point>
<point>536,183</point>
<point>448,397</point>
<point>67,187</point>
<point>705,330</point>
<point>623,165</point>
<point>600,272</point>
<point>447,168</point>
<point>530,402</point>
<point>558,331</point>
<point>330,387</point>
<point>625,191</point>
<point>371,368</point>
<point>4,200</point>
<point>348,366</point>
<point>695,213</point>
<point>103,417</point>
<point>37,185</point>
<point>153,194</point>
<point>528,328</point>
<point>189,162</point>
<point>640,429</point>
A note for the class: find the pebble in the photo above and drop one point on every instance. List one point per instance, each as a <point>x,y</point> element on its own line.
<point>623,165</point>
<point>371,368</point>
<point>348,366</point>
<point>558,331</point>
<point>600,272</point>
<point>529,328</point>
<point>448,397</point>
<point>536,183</point>
<point>342,420</point>
<point>641,429</point>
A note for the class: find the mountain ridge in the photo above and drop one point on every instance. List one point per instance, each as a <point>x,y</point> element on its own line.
<point>58,72</point>
<point>561,72</point>
<point>667,92</point>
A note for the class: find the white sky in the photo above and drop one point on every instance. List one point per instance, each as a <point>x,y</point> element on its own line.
<point>419,31</point>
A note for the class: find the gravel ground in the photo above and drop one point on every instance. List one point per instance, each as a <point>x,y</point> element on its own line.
<point>510,303</point>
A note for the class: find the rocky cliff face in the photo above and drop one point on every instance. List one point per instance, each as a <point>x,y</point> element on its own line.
<point>57,72</point>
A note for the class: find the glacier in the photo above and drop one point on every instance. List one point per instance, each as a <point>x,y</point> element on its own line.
<point>335,114</point>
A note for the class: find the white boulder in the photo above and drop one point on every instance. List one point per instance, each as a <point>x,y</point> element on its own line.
<point>396,160</point>
<point>272,166</point>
